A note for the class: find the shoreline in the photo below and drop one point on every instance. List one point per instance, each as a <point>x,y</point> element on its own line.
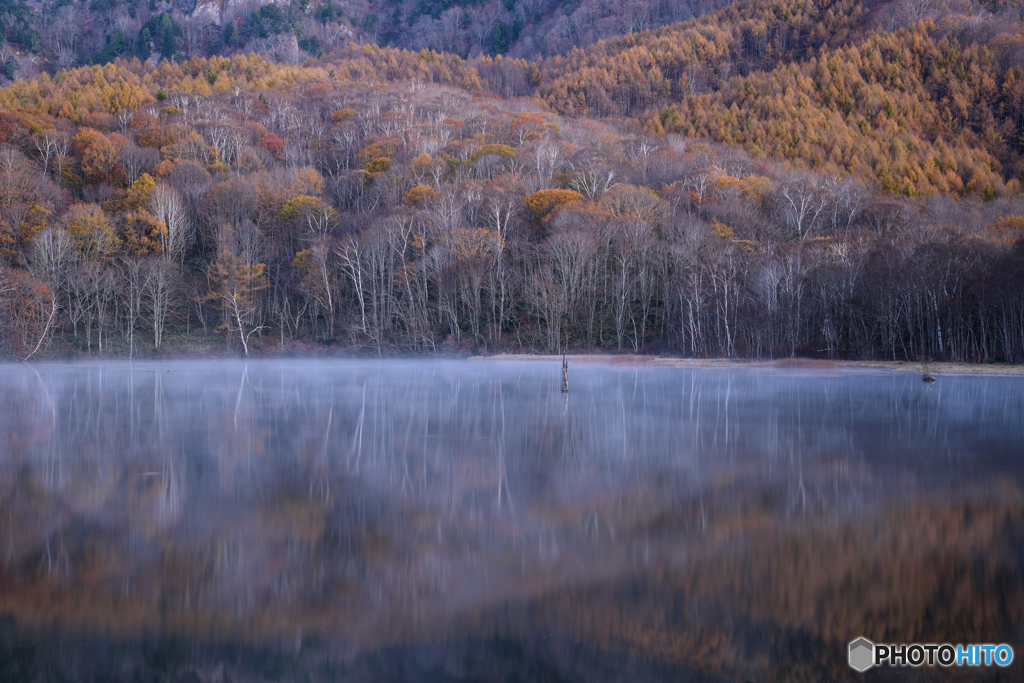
<point>624,360</point>
<point>997,369</point>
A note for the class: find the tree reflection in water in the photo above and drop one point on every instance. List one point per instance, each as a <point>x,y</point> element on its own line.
<point>372,516</point>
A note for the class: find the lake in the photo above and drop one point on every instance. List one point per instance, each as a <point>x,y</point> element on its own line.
<point>444,520</point>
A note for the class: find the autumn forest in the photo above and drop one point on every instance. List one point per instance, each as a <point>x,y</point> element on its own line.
<point>818,178</point>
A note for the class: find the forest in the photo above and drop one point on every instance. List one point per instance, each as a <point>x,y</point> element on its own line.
<point>791,178</point>
<point>38,36</point>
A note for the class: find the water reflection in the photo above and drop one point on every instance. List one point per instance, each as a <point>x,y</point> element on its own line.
<point>720,523</point>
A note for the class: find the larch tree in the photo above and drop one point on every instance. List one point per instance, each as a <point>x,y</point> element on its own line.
<point>234,286</point>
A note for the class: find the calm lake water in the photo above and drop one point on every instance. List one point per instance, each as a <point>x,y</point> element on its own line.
<point>449,520</point>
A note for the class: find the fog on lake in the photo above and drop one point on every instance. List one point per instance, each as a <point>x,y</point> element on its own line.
<point>445,520</point>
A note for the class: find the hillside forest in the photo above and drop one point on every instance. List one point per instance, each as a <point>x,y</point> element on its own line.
<point>817,178</point>
<point>43,36</point>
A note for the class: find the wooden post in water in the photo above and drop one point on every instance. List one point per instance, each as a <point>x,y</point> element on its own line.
<point>565,375</point>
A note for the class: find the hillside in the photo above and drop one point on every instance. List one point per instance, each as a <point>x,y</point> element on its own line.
<point>40,36</point>
<point>287,206</point>
<point>934,106</point>
<point>831,189</point>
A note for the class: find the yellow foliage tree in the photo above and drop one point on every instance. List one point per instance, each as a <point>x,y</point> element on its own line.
<point>91,231</point>
<point>544,202</point>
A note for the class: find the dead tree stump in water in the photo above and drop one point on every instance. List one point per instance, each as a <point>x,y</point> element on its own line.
<point>565,375</point>
<point>926,371</point>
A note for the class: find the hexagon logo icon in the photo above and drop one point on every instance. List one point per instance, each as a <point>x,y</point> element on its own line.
<point>862,654</point>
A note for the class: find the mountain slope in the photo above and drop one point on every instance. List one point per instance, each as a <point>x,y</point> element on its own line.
<point>935,106</point>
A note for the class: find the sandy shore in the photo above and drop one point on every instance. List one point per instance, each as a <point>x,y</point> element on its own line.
<point>792,363</point>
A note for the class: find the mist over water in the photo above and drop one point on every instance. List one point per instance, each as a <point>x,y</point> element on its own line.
<point>444,520</point>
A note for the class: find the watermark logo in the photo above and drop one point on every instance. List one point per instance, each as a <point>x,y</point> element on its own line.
<point>863,654</point>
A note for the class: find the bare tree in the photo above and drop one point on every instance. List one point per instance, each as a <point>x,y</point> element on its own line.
<point>52,251</point>
<point>49,144</point>
<point>137,160</point>
<point>159,291</point>
<point>195,34</point>
<point>133,279</point>
<point>547,155</point>
<point>847,201</point>
<point>6,288</point>
<point>351,254</point>
<point>588,183</point>
<point>803,203</point>
<point>634,16</point>
<point>61,33</point>
<point>168,207</point>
